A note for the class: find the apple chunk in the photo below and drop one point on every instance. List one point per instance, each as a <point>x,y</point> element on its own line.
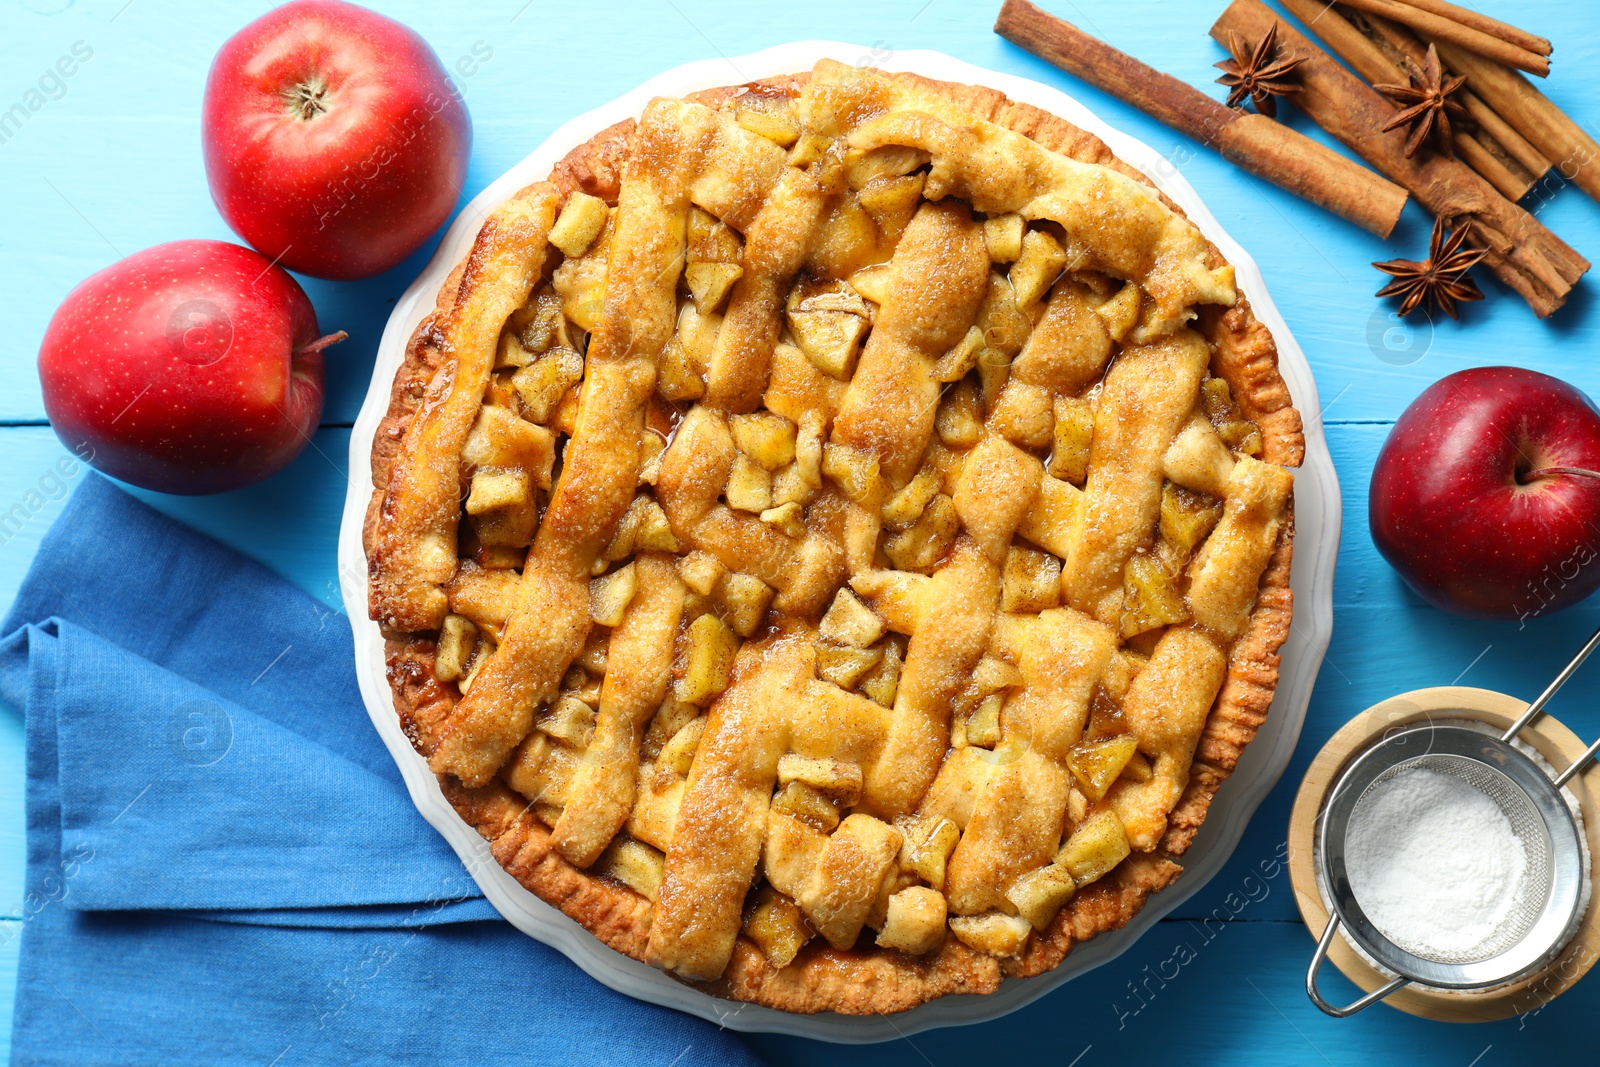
<point>1031,581</point>
<point>915,921</point>
<point>1098,764</point>
<point>1039,894</point>
<point>710,283</point>
<point>579,223</point>
<point>1096,846</point>
<point>850,622</point>
<point>776,925</point>
<point>541,385</point>
<point>993,932</point>
<point>828,325</point>
<point>709,663</point>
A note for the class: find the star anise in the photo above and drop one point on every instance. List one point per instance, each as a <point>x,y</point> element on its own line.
<point>1426,106</point>
<point>1259,74</point>
<point>1441,279</point>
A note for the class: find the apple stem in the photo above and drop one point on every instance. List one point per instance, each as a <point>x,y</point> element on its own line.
<point>334,338</point>
<point>305,99</point>
<point>1543,471</point>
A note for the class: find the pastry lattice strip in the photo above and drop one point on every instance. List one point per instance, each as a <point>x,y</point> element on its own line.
<point>683,154</point>
<point>415,553</point>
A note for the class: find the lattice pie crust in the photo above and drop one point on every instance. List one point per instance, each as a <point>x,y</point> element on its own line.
<point>833,538</point>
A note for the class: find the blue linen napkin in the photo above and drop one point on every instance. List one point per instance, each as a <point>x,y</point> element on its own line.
<point>223,863</point>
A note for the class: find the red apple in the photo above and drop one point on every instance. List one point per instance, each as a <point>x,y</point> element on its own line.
<point>1486,496</point>
<point>190,367</point>
<point>335,142</point>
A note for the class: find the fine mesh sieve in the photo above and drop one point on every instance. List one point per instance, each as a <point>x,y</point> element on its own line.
<point>1549,895</point>
<point>1533,887</point>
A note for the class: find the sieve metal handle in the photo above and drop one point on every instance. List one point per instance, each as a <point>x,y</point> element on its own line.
<point>1317,959</point>
<point>1550,690</point>
<point>1544,698</point>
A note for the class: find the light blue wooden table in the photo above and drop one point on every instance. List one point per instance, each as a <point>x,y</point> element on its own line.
<point>111,164</point>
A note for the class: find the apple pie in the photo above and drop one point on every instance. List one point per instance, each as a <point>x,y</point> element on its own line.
<point>833,537</point>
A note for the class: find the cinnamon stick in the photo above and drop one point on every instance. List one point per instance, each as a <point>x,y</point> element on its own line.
<point>1505,135</point>
<point>1510,180</point>
<point>1253,142</point>
<point>1444,29</point>
<point>1525,255</point>
<point>1498,135</point>
<point>1478,21</point>
<point>1392,36</point>
<point>1383,52</point>
<point>1574,153</point>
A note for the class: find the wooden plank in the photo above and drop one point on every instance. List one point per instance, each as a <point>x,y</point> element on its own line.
<point>103,170</point>
<point>1238,998</point>
<point>1318,267</point>
<point>290,522</point>
<point>1386,641</point>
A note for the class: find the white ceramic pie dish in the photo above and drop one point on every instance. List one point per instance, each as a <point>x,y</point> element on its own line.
<point>1317,515</point>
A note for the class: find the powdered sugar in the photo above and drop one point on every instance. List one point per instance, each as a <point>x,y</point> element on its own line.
<point>1433,862</point>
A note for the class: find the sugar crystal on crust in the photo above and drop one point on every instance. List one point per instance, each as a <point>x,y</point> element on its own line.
<point>833,535</point>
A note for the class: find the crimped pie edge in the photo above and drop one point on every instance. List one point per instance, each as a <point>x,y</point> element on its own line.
<point>822,979</point>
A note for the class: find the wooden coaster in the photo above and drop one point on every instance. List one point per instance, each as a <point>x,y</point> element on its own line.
<point>1557,744</point>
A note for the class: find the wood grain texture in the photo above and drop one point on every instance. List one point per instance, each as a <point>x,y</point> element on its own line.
<point>57,172</point>
<point>1227,968</point>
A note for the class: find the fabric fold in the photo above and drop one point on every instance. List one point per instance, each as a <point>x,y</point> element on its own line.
<point>223,864</point>
<point>193,801</point>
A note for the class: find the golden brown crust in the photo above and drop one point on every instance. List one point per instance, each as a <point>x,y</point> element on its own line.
<point>851,983</point>
<point>877,981</point>
<point>820,979</point>
<point>521,844</point>
<point>421,702</point>
<point>1246,697</point>
<point>594,167</point>
<point>1246,357</point>
<point>1101,907</point>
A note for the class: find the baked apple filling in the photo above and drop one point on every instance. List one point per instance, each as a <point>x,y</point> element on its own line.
<point>837,530</point>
